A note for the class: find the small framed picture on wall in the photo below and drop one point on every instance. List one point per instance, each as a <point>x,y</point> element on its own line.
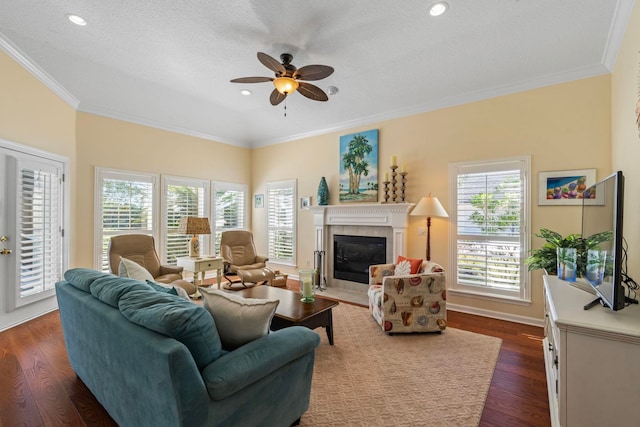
<point>258,201</point>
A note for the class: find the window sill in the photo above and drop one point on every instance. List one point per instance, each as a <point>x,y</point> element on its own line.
<point>491,297</point>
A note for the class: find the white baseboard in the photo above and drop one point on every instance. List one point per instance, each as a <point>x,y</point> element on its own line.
<point>496,314</point>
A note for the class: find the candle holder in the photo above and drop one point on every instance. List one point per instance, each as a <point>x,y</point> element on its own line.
<point>403,181</point>
<point>306,278</point>
<point>386,191</point>
<point>394,181</point>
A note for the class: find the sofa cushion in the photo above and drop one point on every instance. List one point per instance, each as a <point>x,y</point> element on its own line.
<point>174,317</point>
<point>239,320</point>
<point>82,278</point>
<point>169,289</point>
<point>133,270</point>
<point>110,289</point>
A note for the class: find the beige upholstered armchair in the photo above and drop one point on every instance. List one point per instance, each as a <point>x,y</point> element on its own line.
<point>408,302</point>
<point>140,248</point>
<point>241,260</point>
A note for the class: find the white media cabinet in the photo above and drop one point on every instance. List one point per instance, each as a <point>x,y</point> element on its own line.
<point>592,359</point>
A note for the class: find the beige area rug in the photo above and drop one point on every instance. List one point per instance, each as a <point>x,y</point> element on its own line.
<point>371,379</point>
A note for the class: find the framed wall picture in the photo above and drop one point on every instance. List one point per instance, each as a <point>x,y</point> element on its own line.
<point>305,202</point>
<point>562,188</point>
<point>359,167</point>
<point>258,201</point>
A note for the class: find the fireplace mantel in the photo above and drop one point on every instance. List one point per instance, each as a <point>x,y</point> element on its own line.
<point>394,215</point>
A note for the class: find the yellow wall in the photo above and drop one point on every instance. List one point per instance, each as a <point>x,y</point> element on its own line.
<point>560,127</point>
<point>625,94</point>
<point>104,142</point>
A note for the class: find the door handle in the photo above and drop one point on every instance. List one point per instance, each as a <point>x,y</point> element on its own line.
<point>5,252</point>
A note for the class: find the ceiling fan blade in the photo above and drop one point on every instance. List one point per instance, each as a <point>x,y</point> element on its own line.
<point>276,97</point>
<point>252,80</point>
<point>313,72</point>
<point>312,92</point>
<point>271,63</point>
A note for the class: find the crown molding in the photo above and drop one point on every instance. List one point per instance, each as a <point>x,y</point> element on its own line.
<point>508,89</point>
<point>21,58</point>
<point>117,115</point>
<point>621,17</point>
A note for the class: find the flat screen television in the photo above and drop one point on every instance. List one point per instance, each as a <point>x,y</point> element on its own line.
<point>602,209</point>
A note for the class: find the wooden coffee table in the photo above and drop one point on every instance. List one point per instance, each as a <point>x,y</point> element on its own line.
<point>291,311</point>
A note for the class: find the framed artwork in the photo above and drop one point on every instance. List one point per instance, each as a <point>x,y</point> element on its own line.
<point>258,201</point>
<point>305,202</point>
<point>562,188</point>
<point>359,167</point>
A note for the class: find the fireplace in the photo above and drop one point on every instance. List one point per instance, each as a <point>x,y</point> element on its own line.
<point>388,221</point>
<point>352,256</point>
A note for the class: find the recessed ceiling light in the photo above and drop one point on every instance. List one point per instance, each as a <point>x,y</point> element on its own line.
<point>245,92</point>
<point>332,90</point>
<point>438,9</point>
<point>76,19</point>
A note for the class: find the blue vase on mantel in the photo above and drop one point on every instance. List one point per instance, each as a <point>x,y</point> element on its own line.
<point>323,192</point>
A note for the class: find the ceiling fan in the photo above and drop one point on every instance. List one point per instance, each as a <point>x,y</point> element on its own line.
<point>288,78</point>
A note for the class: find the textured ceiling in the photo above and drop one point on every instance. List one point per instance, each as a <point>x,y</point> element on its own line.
<point>167,63</point>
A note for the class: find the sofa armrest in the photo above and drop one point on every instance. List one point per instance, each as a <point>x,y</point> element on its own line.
<point>262,259</point>
<point>170,269</point>
<point>378,271</point>
<point>257,359</point>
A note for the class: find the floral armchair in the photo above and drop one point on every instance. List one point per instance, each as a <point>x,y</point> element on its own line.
<point>408,302</point>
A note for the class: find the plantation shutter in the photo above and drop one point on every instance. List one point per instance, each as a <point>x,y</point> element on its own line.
<point>228,209</point>
<point>126,207</point>
<point>39,211</point>
<point>281,221</point>
<point>183,197</point>
<point>490,227</point>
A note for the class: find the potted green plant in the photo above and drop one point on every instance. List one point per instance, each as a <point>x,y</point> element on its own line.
<point>547,256</point>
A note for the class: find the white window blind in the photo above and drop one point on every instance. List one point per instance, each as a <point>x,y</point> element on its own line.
<point>281,221</point>
<point>126,206</point>
<point>40,225</point>
<point>490,222</point>
<point>229,211</point>
<point>182,197</point>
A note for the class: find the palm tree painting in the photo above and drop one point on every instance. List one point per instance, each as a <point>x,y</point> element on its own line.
<point>567,264</point>
<point>359,167</point>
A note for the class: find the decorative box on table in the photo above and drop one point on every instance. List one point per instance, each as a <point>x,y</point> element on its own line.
<point>280,280</point>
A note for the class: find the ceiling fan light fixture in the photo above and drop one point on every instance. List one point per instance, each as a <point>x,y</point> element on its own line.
<point>438,9</point>
<point>285,85</point>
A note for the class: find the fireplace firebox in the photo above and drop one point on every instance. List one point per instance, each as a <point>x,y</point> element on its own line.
<point>352,256</point>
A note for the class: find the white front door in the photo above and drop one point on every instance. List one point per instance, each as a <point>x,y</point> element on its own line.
<point>32,212</point>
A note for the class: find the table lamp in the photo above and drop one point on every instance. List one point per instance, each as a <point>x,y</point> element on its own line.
<point>194,226</point>
<point>429,206</point>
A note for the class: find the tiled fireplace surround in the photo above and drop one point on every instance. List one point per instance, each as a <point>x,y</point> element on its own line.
<point>389,220</point>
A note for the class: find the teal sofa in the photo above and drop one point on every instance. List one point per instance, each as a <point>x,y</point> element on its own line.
<point>154,359</point>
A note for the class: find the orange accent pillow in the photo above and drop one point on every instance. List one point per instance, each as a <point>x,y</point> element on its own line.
<point>415,263</point>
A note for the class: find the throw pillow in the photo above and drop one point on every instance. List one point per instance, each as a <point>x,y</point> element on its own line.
<point>133,270</point>
<point>403,268</point>
<point>415,263</point>
<point>238,320</point>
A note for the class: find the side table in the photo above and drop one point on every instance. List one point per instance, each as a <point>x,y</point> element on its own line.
<point>201,264</point>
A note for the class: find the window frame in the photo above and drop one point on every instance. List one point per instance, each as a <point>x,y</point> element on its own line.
<point>283,184</point>
<point>102,173</point>
<point>227,186</point>
<point>523,164</point>
<point>166,181</point>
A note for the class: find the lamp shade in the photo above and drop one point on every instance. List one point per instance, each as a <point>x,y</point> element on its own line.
<point>194,225</point>
<point>285,85</point>
<point>429,206</point>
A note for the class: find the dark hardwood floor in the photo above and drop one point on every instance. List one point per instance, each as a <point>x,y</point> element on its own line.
<point>39,388</point>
